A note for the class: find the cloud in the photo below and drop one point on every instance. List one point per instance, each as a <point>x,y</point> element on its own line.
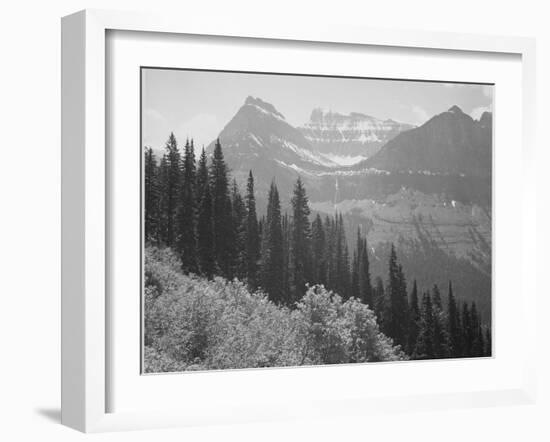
<point>420,115</point>
<point>478,111</point>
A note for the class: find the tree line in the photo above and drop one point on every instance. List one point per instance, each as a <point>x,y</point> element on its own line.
<point>196,209</point>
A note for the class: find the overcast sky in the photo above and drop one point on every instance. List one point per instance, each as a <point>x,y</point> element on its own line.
<point>199,104</point>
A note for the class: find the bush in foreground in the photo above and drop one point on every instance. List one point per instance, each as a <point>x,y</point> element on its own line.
<point>192,323</point>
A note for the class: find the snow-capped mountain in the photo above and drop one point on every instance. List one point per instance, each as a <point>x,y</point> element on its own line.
<point>349,139</point>
<point>259,138</point>
<point>258,130</point>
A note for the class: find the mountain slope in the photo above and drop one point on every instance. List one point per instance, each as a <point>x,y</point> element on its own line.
<point>258,138</point>
<point>258,129</point>
<point>450,143</point>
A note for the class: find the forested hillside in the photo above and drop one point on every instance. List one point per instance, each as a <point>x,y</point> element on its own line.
<point>288,275</point>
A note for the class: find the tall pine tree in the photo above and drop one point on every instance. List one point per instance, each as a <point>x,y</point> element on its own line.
<point>318,255</point>
<point>478,344</point>
<point>342,280</point>
<point>365,286</point>
<point>186,244</point>
<point>202,175</point>
<point>425,343</point>
<point>467,332</point>
<point>205,233</point>
<point>272,253</point>
<point>441,339</point>
<point>397,296</point>
<point>221,211</point>
<point>151,197</point>
<point>301,241</point>
<point>252,235</point>
<point>239,223</point>
<point>453,314</point>
<point>170,187</point>
<point>414,320</point>
<point>380,301</point>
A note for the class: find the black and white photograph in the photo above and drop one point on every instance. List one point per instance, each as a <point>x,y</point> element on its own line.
<point>300,220</point>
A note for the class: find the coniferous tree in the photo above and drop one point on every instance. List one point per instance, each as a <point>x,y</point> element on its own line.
<point>341,259</point>
<point>365,286</point>
<point>440,335</point>
<point>355,292</point>
<point>286,227</point>
<point>436,297</point>
<point>252,235</point>
<point>202,175</point>
<point>186,243</point>
<point>221,211</point>
<point>151,197</point>
<point>318,240</point>
<point>479,348</point>
<point>478,344</point>
<point>338,257</point>
<point>397,297</point>
<point>205,233</point>
<point>361,287</point>
<point>453,314</point>
<point>330,253</point>
<point>467,334</point>
<point>239,224</point>
<point>346,275</point>
<point>414,320</point>
<point>301,241</point>
<point>273,258</point>
<point>380,301</point>
<point>425,344</point>
<point>231,252</point>
<point>162,182</point>
<point>170,188</point>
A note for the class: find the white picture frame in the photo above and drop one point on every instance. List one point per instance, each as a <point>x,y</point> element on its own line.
<point>85,202</point>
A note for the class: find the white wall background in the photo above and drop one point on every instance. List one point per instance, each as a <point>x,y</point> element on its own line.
<point>30,219</point>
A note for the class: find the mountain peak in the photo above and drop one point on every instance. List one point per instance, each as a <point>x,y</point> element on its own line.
<point>262,106</point>
<point>455,110</point>
<point>486,119</point>
<point>450,143</point>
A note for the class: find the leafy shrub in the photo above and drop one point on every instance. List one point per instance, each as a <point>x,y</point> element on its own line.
<point>192,323</point>
<point>341,332</point>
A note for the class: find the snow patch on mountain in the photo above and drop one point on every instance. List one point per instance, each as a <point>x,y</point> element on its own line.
<point>306,154</point>
<point>268,113</point>
<point>344,160</point>
<point>264,107</point>
<point>256,139</point>
<point>334,173</point>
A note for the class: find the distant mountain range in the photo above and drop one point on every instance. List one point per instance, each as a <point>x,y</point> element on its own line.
<point>427,189</point>
<point>348,139</point>
<point>450,153</point>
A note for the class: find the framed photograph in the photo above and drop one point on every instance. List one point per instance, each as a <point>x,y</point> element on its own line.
<point>265,223</point>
